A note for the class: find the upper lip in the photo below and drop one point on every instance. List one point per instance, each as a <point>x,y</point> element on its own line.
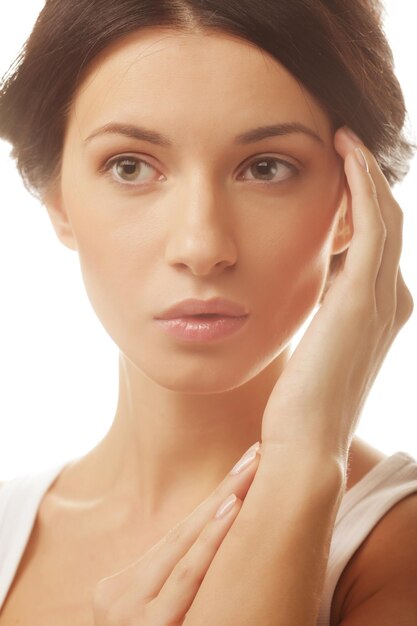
<point>218,306</point>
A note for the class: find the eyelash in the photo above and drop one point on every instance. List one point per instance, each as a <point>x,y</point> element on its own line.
<point>106,169</point>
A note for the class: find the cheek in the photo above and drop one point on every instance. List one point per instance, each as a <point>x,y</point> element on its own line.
<point>295,274</point>
<point>114,274</point>
<point>112,257</point>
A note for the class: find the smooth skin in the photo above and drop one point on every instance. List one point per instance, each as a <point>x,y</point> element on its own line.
<point>196,228</point>
<point>322,390</point>
<point>160,588</point>
<point>196,219</point>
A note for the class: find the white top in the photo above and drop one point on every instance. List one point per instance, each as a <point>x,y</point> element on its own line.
<point>362,506</point>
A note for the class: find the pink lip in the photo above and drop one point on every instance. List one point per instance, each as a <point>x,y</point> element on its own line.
<point>193,307</point>
<point>202,329</point>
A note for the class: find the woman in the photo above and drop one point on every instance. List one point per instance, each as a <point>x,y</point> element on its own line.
<point>204,150</point>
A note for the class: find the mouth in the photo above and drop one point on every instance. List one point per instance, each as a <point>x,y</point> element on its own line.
<point>208,317</point>
<point>202,327</point>
<point>203,316</point>
<point>216,308</point>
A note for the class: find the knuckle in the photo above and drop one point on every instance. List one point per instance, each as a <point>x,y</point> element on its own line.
<point>397,209</point>
<point>410,302</point>
<point>398,224</point>
<point>370,193</point>
<point>174,535</point>
<point>400,217</point>
<point>380,230</point>
<point>219,489</point>
<point>206,539</point>
<point>405,306</point>
<point>183,570</point>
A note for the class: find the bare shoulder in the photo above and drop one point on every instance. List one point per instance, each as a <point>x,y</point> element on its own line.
<point>384,569</point>
<point>386,560</point>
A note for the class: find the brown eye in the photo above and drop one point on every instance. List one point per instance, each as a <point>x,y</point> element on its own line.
<point>129,169</point>
<point>272,170</point>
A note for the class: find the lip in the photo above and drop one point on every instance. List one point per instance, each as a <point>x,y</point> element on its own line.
<point>192,307</point>
<point>202,329</point>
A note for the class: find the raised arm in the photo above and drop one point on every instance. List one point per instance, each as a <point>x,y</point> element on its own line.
<point>270,568</point>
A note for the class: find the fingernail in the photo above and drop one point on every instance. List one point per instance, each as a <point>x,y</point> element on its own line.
<point>360,157</point>
<point>246,459</point>
<point>256,446</point>
<point>226,506</point>
<point>352,135</point>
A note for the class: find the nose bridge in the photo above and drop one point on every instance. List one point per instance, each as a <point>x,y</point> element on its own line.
<point>201,229</point>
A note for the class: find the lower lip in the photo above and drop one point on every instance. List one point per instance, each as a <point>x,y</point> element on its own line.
<point>202,328</point>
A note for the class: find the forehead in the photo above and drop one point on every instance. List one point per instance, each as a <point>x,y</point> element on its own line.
<point>192,82</point>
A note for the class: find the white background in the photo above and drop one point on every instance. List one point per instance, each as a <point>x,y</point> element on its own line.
<point>59,370</point>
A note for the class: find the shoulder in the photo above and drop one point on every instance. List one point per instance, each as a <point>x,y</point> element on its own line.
<point>362,458</point>
<point>385,562</point>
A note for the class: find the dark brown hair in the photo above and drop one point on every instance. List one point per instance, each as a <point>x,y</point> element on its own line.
<point>336,48</point>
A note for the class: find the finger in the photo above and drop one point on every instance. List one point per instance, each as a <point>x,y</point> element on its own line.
<point>392,215</point>
<point>386,288</point>
<point>405,302</point>
<point>163,557</point>
<point>143,579</point>
<point>366,248</point>
<point>181,587</point>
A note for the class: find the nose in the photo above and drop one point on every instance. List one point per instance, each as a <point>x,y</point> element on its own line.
<point>201,232</point>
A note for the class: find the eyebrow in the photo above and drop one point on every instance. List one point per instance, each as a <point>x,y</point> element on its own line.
<point>248,137</point>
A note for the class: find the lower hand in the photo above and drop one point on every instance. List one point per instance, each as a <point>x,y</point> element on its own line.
<point>159,588</point>
<point>317,400</point>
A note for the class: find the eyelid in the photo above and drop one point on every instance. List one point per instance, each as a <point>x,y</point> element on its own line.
<point>124,155</point>
<point>283,161</point>
<point>106,167</point>
<point>280,158</point>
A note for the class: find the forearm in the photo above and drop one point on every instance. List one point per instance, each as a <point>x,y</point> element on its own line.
<point>270,568</point>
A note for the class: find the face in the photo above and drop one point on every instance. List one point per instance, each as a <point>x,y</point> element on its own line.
<point>202,215</point>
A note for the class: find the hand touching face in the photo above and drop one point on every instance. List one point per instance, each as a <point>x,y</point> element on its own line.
<point>316,403</point>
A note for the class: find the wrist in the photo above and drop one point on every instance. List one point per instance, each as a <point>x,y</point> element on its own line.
<point>314,467</point>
